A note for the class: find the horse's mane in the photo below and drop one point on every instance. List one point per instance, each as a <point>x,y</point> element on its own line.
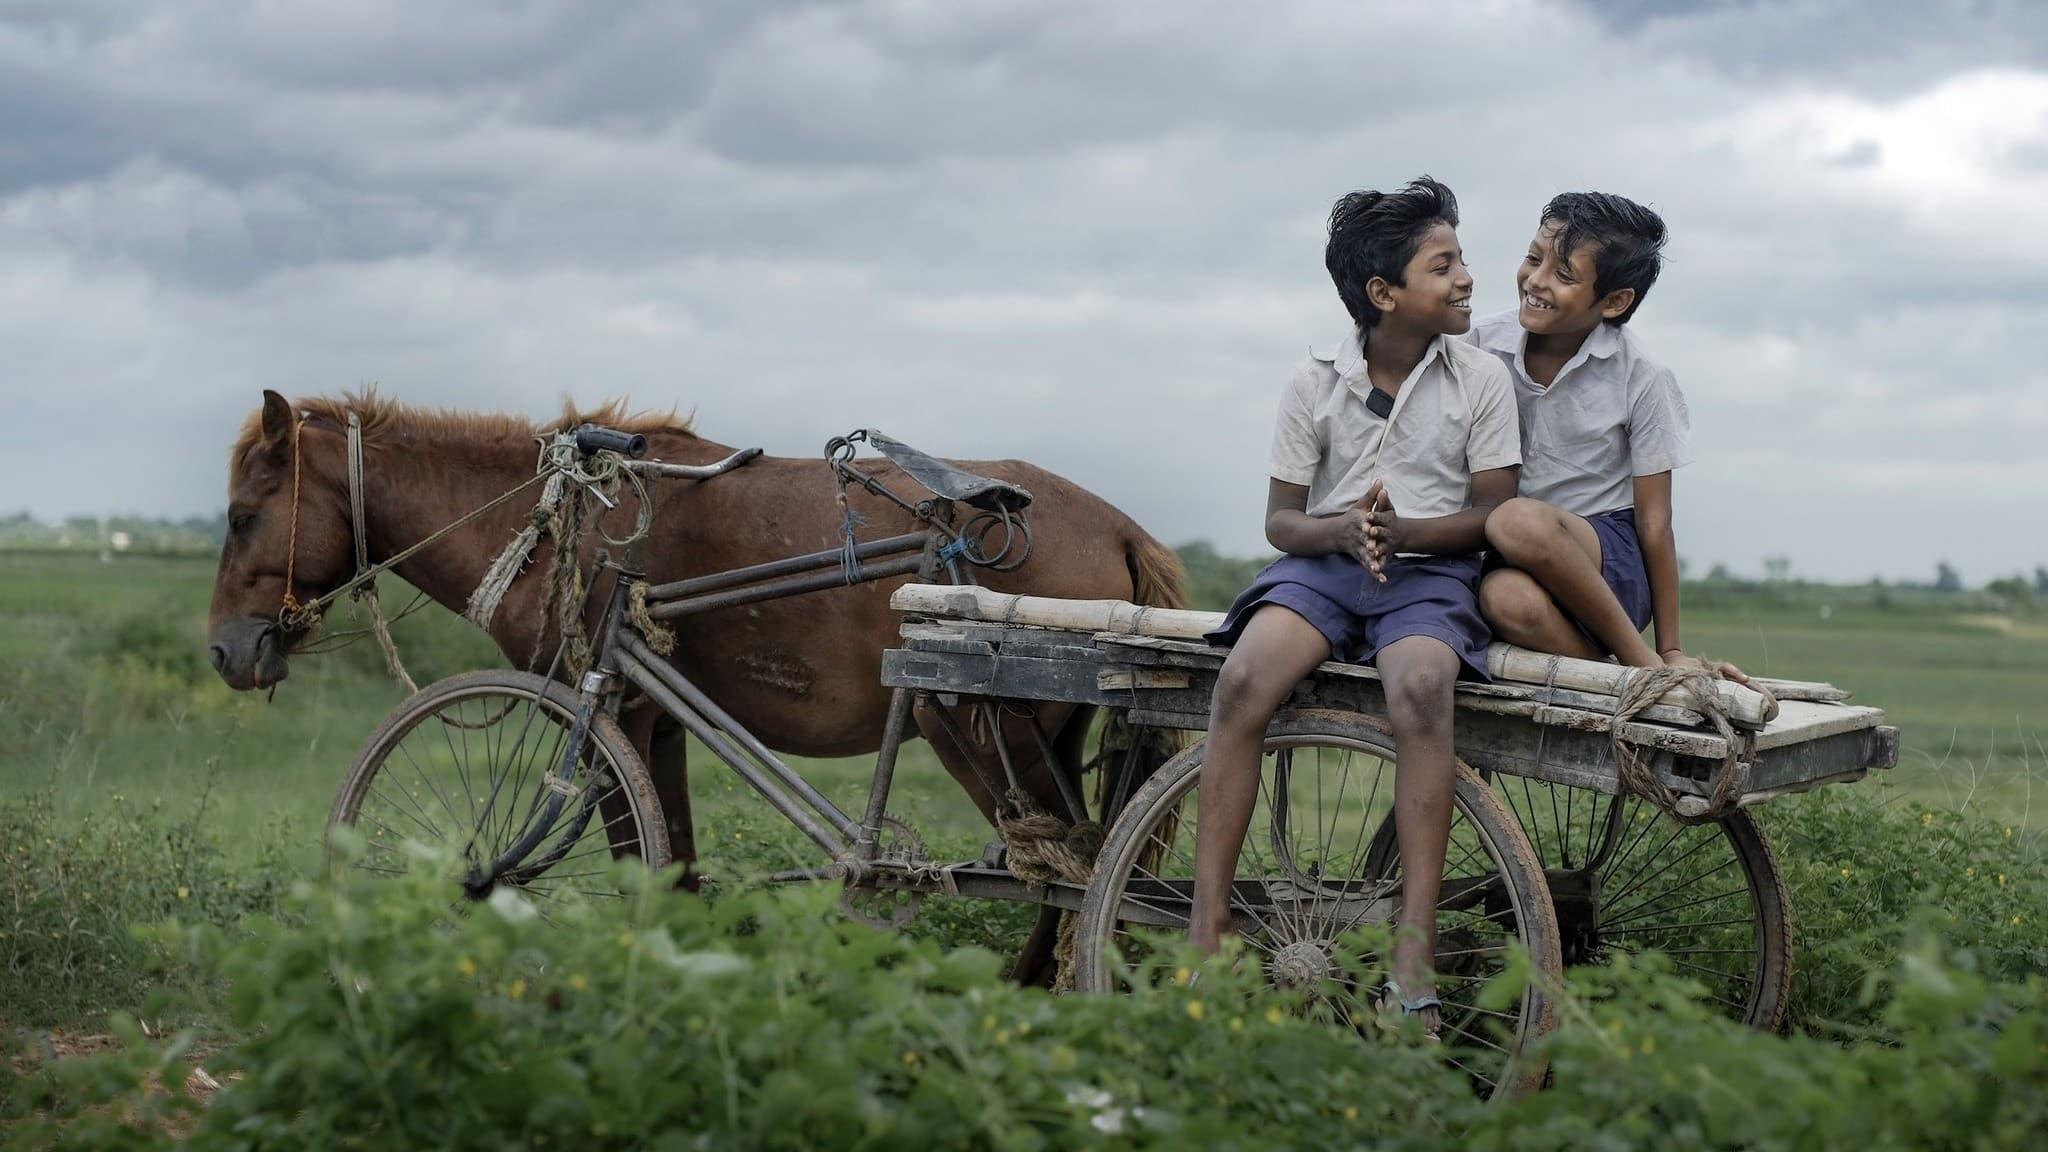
<point>382,416</point>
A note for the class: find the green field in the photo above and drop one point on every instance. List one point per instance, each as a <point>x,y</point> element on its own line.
<point>104,691</point>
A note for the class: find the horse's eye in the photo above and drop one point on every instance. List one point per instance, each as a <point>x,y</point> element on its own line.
<point>240,521</point>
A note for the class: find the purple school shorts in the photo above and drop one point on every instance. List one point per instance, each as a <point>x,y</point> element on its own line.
<point>1621,565</point>
<point>1423,596</point>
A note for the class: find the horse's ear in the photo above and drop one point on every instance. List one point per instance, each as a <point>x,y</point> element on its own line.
<point>277,419</point>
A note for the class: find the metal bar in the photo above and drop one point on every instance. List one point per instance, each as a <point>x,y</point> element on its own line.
<point>664,471</point>
<point>1077,811</point>
<point>776,590</point>
<point>698,585</point>
<point>643,675</point>
<point>708,708</point>
<point>885,774</point>
<point>951,728</point>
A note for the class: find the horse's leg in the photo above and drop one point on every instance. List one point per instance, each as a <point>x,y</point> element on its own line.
<point>668,761</point>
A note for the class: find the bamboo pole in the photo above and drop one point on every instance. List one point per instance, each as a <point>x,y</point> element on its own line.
<point>1744,706</point>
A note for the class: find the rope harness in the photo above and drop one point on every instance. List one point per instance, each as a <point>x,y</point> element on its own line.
<point>559,513</point>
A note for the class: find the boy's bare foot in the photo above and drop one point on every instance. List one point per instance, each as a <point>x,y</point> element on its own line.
<point>1411,986</point>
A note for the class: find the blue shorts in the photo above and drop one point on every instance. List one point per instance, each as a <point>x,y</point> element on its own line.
<point>1423,596</point>
<point>1621,566</point>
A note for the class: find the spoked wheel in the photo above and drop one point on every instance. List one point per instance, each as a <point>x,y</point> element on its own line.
<point>1304,882</point>
<point>1626,878</point>
<point>464,766</point>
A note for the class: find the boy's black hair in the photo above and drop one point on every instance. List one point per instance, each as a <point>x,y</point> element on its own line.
<point>1376,234</point>
<point>1628,241</point>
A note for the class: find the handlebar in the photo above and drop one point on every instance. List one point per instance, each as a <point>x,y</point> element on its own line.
<point>591,439</point>
<point>659,470</point>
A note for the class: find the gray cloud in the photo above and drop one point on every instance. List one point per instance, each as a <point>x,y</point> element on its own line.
<point>1018,229</point>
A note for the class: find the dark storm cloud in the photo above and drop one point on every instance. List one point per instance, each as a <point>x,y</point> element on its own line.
<point>1877,46</point>
<point>1017,228</point>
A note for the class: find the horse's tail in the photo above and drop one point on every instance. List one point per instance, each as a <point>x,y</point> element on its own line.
<point>1130,755</point>
<point>1158,578</point>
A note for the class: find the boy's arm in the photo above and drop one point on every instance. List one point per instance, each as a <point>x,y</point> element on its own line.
<point>1460,532</point>
<point>1660,557</point>
<point>1660,561</point>
<point>1290,529</point>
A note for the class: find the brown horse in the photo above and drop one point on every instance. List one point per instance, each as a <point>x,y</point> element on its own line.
<point>803,672</point>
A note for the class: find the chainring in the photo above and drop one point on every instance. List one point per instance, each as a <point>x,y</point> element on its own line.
<point>888,908</point>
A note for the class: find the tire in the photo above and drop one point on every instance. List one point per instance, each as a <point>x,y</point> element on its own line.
<point>1624,878</point>
<point>1494,891</point>
<point>419,778</point>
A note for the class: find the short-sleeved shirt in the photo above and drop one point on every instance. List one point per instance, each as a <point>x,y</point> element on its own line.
<point>1454,415</point>
<point>1611,415</point>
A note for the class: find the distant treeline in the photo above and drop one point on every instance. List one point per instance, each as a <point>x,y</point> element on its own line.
<point>1214,579</point>
<point>196,534</point>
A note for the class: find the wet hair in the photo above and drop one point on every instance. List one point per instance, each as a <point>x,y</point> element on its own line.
<point>1375,234</point>
<point>1628,241</point>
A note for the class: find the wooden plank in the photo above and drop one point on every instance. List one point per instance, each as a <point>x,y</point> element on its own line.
<point>1801,690</point>
<point>1745,707</point>
<point>1126,679</point>
<point>1800,721</point>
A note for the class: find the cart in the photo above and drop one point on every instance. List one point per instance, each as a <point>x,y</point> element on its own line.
<point>532,784</point>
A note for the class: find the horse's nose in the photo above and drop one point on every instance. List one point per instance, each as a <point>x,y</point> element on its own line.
<point>218,653</point>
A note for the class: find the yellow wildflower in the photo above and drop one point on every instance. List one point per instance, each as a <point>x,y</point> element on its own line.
<point>910,1059</point>
<point>517,989</point>
<point>578,983</point>
<point>1003,1036</point>
<point>1351,1111</point>
<point>183,892</point>
<point>466,966</point>
<point>1237,1023</point>
<point>1273,1015</point>
<point>1195,1010</point>
<point>1181,977</point>
<point>1926,818</point>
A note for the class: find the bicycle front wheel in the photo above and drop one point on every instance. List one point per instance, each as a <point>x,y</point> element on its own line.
<point>464,766</point>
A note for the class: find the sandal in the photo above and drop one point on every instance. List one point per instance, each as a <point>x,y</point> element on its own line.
<point>1390,998</point>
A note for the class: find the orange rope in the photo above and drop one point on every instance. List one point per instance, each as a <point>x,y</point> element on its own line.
<point>291,606</point>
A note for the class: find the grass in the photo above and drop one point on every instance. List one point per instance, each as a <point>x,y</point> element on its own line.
<point>104,690</point>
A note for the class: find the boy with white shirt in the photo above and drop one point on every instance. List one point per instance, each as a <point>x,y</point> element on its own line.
<point>1386,458</point>
<point>1585,556</point>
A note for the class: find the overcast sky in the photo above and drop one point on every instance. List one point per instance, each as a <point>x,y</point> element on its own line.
<point>1086,234</point>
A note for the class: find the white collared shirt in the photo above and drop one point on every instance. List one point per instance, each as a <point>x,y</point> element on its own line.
<point>1611,415</point>
<point>1453,416</point>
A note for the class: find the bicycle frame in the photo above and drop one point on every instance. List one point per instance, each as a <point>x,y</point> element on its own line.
<point>621,657</point>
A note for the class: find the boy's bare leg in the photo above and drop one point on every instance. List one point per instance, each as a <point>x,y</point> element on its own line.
<point>1562,552</point>
<point>1521,612</point>
<point>1276,649</point>
<point>1419,673</point>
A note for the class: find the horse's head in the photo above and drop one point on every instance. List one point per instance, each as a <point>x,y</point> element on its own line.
<point>285,513</point>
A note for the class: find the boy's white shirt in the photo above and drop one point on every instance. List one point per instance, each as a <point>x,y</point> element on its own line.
<point>1612,414</point>
<point>1454,415</point>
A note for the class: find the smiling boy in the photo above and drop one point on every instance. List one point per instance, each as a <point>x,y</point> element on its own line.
<point>1586,556</point>
<point>1386,458</point>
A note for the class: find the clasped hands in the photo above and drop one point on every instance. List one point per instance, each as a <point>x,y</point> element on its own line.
<point>1371,531</point>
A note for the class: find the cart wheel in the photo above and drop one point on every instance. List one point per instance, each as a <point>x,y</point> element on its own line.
<point>1303,885</point>
<point>463,766</point>
<point>1626,879</point>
